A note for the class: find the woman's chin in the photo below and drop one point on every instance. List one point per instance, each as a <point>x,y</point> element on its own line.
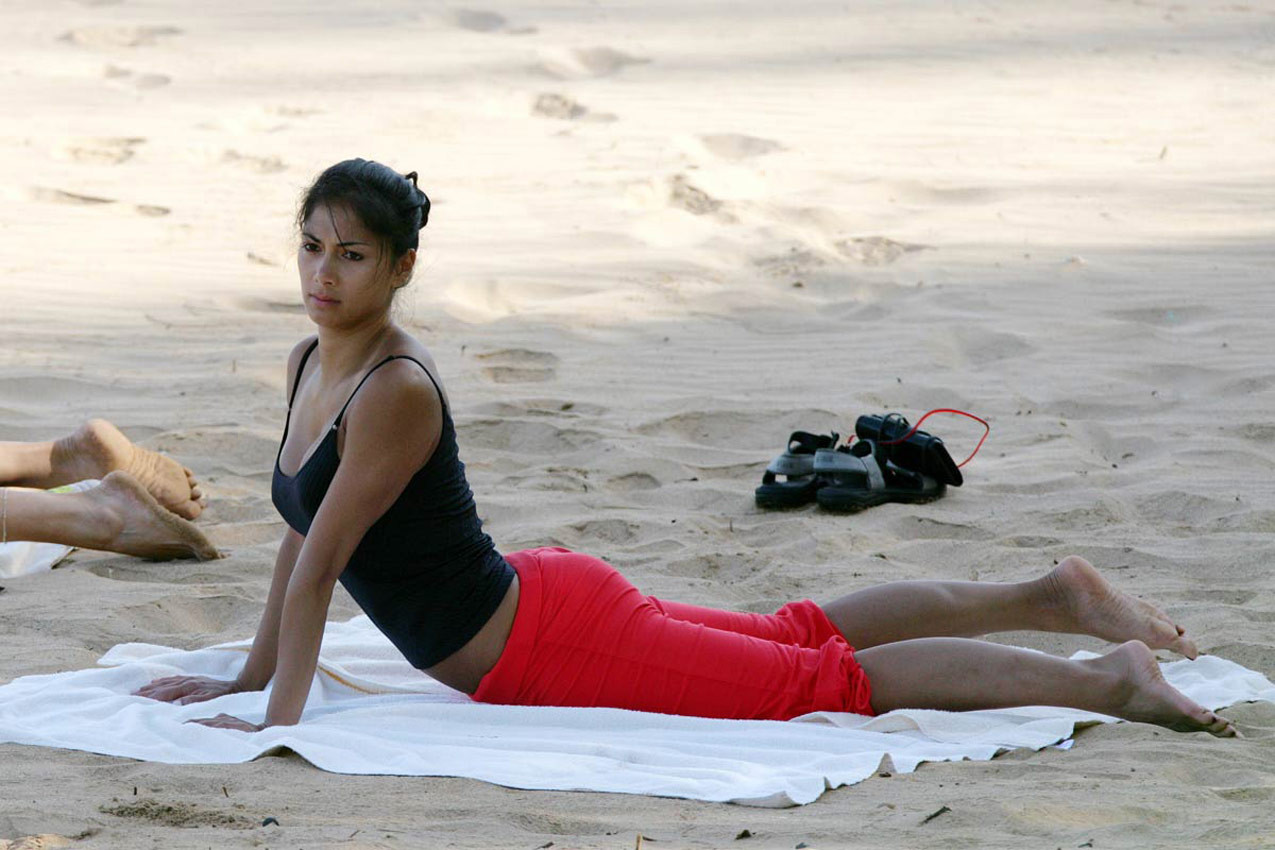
<point>322,314</point>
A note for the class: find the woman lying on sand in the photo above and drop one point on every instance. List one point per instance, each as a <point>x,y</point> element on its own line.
<point>140,508</point>
<point>369,480</point>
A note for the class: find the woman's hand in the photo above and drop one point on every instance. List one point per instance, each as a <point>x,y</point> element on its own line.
<point>226,721</point>
<point>187,689</point>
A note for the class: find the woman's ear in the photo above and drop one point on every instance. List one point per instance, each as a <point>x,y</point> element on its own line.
<point>403,268</point>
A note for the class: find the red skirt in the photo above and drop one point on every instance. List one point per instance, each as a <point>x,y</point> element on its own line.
<point>584,636</point>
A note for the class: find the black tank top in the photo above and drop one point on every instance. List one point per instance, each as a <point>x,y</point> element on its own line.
<point>425,572</point>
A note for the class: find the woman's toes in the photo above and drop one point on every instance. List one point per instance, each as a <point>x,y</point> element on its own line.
<point>1222,727</point>
<point>1185,647</point>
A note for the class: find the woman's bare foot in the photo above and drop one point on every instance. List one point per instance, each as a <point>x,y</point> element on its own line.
<point>97,448</point>
<point>1086,603</point>
<point>1142,695</point>
<point>132,522</point>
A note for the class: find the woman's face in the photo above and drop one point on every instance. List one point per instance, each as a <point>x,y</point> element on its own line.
<point>344,280</point>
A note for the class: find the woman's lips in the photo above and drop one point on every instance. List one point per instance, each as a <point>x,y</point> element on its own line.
<point>323,299</point>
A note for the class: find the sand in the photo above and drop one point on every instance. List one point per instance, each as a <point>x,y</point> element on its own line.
<point>665,235</point>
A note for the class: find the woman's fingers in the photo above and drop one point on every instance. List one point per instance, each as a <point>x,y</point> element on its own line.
<point>166,689</point>
<point>183,689</point>
<point>160,689</point>
<point>226,721</point>
<point>201,695</point>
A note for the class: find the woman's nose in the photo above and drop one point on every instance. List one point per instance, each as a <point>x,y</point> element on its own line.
<point>324,270</point>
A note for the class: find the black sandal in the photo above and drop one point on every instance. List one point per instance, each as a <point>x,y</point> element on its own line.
<point>860,476</point>
<point>797,466</point>
<point>912,449</point>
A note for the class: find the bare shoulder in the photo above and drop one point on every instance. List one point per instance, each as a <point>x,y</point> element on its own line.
<point>396,413</point>
<point>398,386</point>
<point>406,345</point>
<point>294,361</point>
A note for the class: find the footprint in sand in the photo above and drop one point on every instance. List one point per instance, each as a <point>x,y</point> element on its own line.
<point>978,346</point>
<point>265,305</point>
<point>100,37</point>
<point>518,366</point>
<point>1164,316</point>
<point>258,164</point>
<point>183,614</point>
<point>1220,596</point>
<point>1031,541</point>
<point>720,427</point>
<point>586,63</point>
<point>137,570</point>
<point>550,407</point>
<point>560,479</point>
<point>1258,432</point>
<point>608,530</point>
<point>563,108</point>
<point>133,79</point>
<point>795,262</point>
<point>634,481</point>
<point>262,260</point>
<point>478,20</point>
<point>684,196</point>
<point>876,250</point>
<point>100,151</point>
<point>61,196</point>
<point>734,146</point>
<point>294,111</point>
<point>557,106</point>
<point>537,438</point>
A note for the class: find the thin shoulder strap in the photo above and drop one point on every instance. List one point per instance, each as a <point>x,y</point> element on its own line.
<point>296,383</point>
<point>296,380</point>
<point>437,388</point>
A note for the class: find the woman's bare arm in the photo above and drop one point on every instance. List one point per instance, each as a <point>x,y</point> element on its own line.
<point>259,667</point>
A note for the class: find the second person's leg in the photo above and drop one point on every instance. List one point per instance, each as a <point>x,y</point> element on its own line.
<point>117,516</point>
<point>91,451</point>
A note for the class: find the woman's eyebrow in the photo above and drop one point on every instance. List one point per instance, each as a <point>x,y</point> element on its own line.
<point>312,238</point>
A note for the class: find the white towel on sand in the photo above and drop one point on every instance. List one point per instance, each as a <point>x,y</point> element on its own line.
<point>369,712</point>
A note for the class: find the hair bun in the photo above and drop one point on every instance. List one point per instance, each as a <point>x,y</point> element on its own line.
<point>423,205</point>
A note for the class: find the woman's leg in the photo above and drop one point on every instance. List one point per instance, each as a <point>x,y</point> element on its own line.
<point>597,641</point>
<point>1073,598</point>
<point>96,448</point>
<point>956,674</point>
<point>116,516</point>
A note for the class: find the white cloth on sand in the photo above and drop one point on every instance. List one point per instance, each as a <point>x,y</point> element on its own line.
<point>370,712</point>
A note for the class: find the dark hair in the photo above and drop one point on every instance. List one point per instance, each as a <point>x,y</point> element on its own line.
<point>389,204</point>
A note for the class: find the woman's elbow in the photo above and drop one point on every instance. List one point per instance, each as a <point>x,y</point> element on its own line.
<point>311,587</point>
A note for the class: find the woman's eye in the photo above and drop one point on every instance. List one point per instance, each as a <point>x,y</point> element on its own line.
<point>353,255</point>
<point>309,246</point>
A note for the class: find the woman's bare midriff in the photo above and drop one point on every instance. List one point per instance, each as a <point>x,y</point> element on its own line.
<point>465,668</point>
